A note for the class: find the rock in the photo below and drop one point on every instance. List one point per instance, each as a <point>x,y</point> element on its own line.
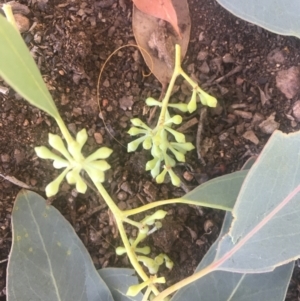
<point>204,68</point>
<point>228,58</point>
<point>276,56</point>
<point>98,137</point>
<point>288,81</point>
<point>249,135</point>
<point>126,103</point>
<point>296,110</point>
<point>202,55</point>
<point>240,128</point>
<point>22,22</point>
<point>257,119</point>
<point>269,125</point>
<point>243,114</point>
<point>5,158</point>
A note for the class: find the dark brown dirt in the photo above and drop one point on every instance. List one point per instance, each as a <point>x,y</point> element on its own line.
<point>233,60</point>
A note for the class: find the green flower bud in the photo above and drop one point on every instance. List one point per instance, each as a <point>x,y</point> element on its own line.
<point>144,230</point>
<point>133,290</point>
<point>100,165</point>
<point>60,163</point>
<point>147,143</point>
<point>161,177</point>
<point>192,105</point>
<point>81,187</point>
<point>158,225</point>
<point>177,119</point>
<point>156,151</point>
<point>179,156</point>
<point>159,259</point>
<point>169,162</point>
<point>145,250</point>
<point>182,147</point>
<point>159,214</point>
<point>101,153</point>
<point>136,131</point>
<point>169,263</point>
<point>74,149</point>
<point>174,178</point>
<point>95,174</point>
<point>179,137</point>
<point>45,153</point>
<point>151,164</point>
<point>149,263</point>
<point>82,137</point>
<point>180,106</point>
<point>56,142</point>
<point>133,145</point>
<point>73,176</point>
<point>120,251</point>
<point>207,99</point>
<point>139,123</point>
<point>53,187</point>
<point>152,102</point>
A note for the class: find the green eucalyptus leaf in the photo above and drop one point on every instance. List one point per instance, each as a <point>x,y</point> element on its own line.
<point>118,280</point>
<point>48,261</point>
<point>280,16</point>
<point>220,192</point>
<point>19,70</point>
<point>224,286</point>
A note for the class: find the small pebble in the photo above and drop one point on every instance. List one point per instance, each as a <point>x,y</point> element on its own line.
<point>296,110</point>
<point>269,125</point>
<point>243,114</point>
<point>249,135</point>
<point>98,137</point>
<point>22,22</point>
<point>5,158</point>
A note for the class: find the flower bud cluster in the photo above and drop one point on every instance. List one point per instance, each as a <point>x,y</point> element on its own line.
<point>74,162</point>
<point>162,150</point>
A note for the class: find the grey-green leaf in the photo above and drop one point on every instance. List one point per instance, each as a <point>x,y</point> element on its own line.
<point>228,286</point>
<point>48,262</point>
<point>279,16</point>
<point>220,193</point>
<point>18,69</point>
<point>265,232</point>
<point>118,281</point>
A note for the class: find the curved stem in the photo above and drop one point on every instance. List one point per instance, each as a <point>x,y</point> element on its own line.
<point>119,216</point>
<point>64,130</point>
<point>177,71</point>
<point>172,201</point>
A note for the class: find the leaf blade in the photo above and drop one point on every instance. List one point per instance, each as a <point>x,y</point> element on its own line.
<point>280,17</point>
<point>47,260</point>
<point>224,286</point>
<point>161,9</point>
<point>18,69</point>
<point>118,281</point>
<point>218,193</point>
<point>265,234</point>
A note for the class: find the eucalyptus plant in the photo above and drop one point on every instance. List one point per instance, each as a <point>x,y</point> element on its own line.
<point>251,260</point>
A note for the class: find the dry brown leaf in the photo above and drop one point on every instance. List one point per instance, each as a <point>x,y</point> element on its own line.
<point>162,9</point>
<point>154,36</point>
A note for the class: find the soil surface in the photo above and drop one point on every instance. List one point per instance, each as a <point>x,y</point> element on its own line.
<point>233,60</point>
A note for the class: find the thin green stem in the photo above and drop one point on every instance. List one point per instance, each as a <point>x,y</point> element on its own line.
<point>188,79</point>
<point>172,201</point>
<point>64,130</point>
<point>119,216</point>
<point>177,71</point>
<point>131,222</point>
